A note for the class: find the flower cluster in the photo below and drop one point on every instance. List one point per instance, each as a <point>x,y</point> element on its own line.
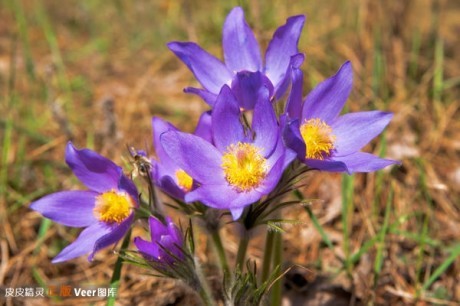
<point>240,151</point>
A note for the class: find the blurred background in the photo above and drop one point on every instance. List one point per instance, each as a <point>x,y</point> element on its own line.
<point>95,72</point>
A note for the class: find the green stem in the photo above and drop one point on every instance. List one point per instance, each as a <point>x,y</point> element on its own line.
<point>267,255</point>
<point>241,255</point>
<point>203,288</point>
<point>115,281</point>
<point>205,296</point>
<point>220,251</point>
<point>277,261</point>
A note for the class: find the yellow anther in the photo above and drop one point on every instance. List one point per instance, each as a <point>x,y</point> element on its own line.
<point>318,138</point>
<point>244,166</point>
<point>184,180</point>
<point>113,206</point>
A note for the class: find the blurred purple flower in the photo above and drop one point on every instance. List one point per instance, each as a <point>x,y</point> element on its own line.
<point>163,237</point>
<point>242,166</point>
<point>167,174</point>
<point>244,69</point>
<point>322,138</point>
<point>106,209</point>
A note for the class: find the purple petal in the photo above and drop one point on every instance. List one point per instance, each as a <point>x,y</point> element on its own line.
<point>125,184</point>
<point>245,199</point>
<point>236,213</point>
<point>281,152</point>
<point>248,86</point>
<point>222,196</point>
<point>208,97</point>
<point>226,126</point>
<point>327,99</point>
<point>327,165</point>
<point>159,127</point>
<point>272,178</point>
<point>157,228</point>
<point>282,86</point>
<point>208,70</point>
<point>95,171</point>
<point>364,162</point>
<point>70,208</point>
<point>148,249</point>
<point>282,46</point>
<point>293,139</point>
<point>168,184</point>
<point>265,125</point>
<point>294,102</point>
<point>116,233</point>
<point>84,243</point>
<point>353,131</point>
<point>203,128</point>
<point>169,250</point>
<point>241,50</point>
<point>174,231</point>
<point>194,155</point>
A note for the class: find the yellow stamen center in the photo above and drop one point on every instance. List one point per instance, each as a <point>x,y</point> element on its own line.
<point>318,138</point>
<point>244,166</point>
<point>113,206</point>
<point>184,180</point>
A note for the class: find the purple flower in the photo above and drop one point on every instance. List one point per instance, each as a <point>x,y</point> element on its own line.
<point>163,237</point>
<point>106,210</point>
<point>244,69</point>
<point>167,174</point>
<point>242,166</point>
<point>321,137</point>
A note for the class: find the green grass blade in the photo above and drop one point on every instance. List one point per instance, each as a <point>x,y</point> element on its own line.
<point>438,70</point>
<point>317,225</point>
<point>442,268</point>
<point>115,281</point>
<point>16,6</point>
<point>347,213</point>
<point>44,226</point>
<point>381,239</point>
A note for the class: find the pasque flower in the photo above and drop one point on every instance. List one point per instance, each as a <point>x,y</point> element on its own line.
<point>166,172</point>
<point>243,164</point>
<point>166,242</point>
<point>321,137</point>
<point>244,69</point>
<point>106,210</point>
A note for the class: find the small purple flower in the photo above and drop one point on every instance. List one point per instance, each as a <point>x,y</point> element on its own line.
<point>163,237</point>
<point>242,166</point>
<point>321,137</point>
<point>106,210</point>
<point>244,69</point>
<point>167,174</point>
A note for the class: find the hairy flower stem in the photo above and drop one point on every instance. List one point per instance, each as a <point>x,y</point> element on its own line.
<point>202,287</point>
<point>276,294</point>
<point>267,256</point>
<point>205,297</point>
<point>220,251</point>
<point>241,255</point>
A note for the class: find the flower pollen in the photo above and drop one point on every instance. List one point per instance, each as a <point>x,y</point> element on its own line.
<point>113,206</point>
<point>318,138</point>
<point>244,167</point>
<point>184,180</point>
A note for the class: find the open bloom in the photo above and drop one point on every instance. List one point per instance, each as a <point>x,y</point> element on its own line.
<point>166,242</point>
<point>244,69</point>
<point>242,166</point>
<point>167,174</point>
<point>323,139</point>
<point>106,210</point>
